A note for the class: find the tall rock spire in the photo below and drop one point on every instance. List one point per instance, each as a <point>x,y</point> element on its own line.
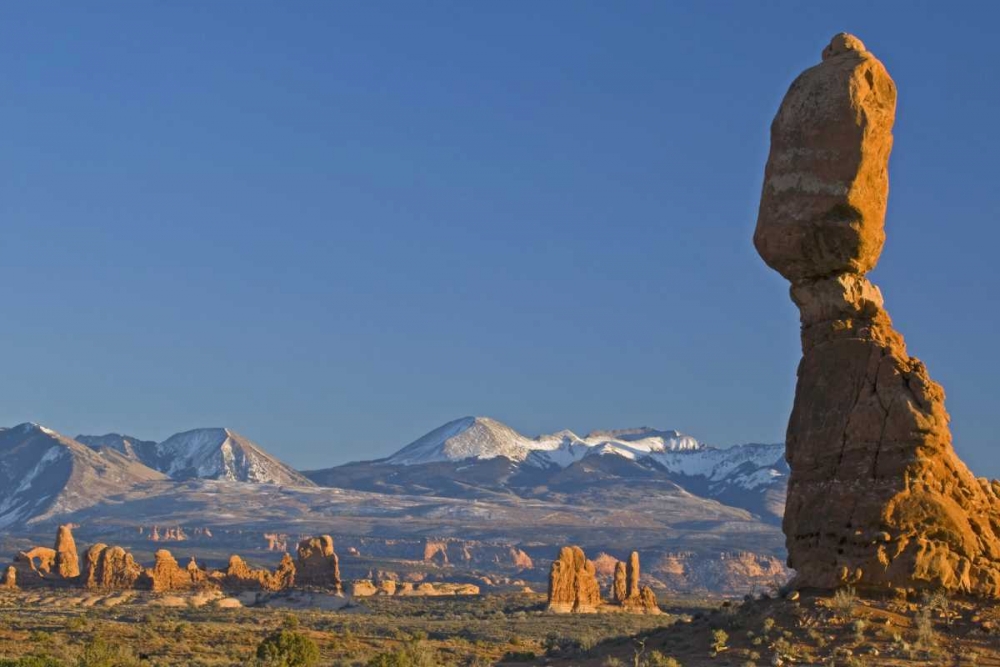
<point>877,496</point>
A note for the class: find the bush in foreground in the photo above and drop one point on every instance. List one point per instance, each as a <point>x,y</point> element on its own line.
<point>287,649</point>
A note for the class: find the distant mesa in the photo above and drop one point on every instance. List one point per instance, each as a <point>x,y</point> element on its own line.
<point>877,497</point>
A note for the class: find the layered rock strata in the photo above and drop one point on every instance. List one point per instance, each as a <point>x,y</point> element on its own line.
<point>877,496</point>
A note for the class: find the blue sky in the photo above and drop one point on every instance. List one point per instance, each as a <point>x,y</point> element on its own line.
<point>334,226</point>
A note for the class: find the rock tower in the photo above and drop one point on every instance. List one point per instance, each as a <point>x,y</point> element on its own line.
<point>877,497</point>
<point>573,583</point>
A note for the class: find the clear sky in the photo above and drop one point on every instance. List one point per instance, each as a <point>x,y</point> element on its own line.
<point>333,226</point>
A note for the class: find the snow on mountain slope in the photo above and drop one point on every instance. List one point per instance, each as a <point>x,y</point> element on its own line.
<point>485,438</point>
<point>481,438</point>
<point>219,453</point>
<point>43,473</point>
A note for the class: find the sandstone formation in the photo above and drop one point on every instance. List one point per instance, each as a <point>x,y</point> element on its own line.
<point>110,568</point>
<point>9,579</point>
<point>39,560</point>
<point>317,563</point>
<point>572,583</point>
<point>877,497</point>
<point>276,541</point>
<point>167,575</point>
<point>626,591</point>
<point>67,561</point>
<point>238,575</point>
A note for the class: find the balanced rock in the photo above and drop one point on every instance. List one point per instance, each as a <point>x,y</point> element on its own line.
<point>573,583</point>
<point>317,563</point>
<point>877,496</point>
<point>628,593</point>
<point>109,568</point>
<point>67,561</point>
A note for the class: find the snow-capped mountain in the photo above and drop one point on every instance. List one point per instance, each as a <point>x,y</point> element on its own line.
<point>44,473</point>
<point>479,456</point>
<point>484,438</point>
<point>219,453</point>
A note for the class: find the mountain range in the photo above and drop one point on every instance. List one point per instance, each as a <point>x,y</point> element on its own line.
<point>705,517</point>
<point>45,474</point>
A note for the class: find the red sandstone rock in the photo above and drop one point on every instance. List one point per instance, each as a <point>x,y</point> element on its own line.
<point>67,562</point>
<point>628,593</point>
<point>10,579</point>
<point>110,568</point>
<point>877,496</point>
<point>317,563</point>
<point>572,583</point>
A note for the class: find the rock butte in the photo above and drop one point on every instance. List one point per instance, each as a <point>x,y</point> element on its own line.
<point>877,496</point>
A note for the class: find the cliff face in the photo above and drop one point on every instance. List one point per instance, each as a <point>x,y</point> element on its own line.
<point>877,496</point>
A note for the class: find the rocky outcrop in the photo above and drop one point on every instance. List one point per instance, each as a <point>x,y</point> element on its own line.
<point>67,562</point>
<point>573,583</point>
<point>175,534</point>
<point>877,496</point>
<point>628,593</point>
<point>39,560</point>
<point>361,588</point>
<point>167,575</point>
<point>276,541</point>
<point>238,575</point>
<point>9,579</point>
<point>317,563</point>
<point>436,552</point>
<point>110,568</point>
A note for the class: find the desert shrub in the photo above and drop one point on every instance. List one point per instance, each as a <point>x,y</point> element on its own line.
<point>924,627</point>
<point>844,600</point>
<point>859,630</point>
<point>99,652</point>
<point>612,661</point>
<point>719,639</point>
<point>518,656</point>
<point>287,649</point>
<point>412,655</point>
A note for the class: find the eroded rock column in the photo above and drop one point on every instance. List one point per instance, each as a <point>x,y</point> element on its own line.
<point>877,496</point>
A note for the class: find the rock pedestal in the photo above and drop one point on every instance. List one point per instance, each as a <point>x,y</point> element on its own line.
<point>10,579</point>
<point>573,583</point>
<point>67,560</point>
<point>317,563</point>
<point>626,589</point>
<point>877,497</point>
